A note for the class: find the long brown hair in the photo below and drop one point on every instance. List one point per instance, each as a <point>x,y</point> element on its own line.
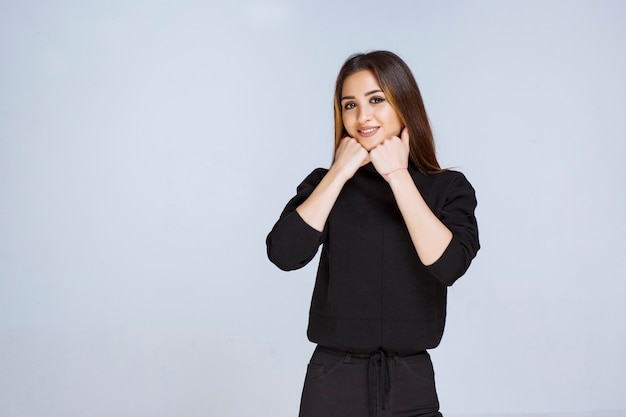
<point>401,90</point>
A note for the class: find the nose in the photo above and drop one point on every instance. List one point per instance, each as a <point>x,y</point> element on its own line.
<point>365,114</point>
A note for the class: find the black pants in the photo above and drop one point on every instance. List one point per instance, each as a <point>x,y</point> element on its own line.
<point>342,384</point>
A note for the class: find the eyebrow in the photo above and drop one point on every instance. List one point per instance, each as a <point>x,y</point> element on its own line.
<point>369,93</point>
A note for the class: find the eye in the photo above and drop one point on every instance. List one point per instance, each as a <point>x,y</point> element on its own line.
<point>376,100</point>
<point>349,105</point>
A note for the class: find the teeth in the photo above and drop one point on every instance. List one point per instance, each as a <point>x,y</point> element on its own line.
<point>370,130</point>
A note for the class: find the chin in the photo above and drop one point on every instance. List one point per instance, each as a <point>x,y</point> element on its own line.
<point>370,144</point>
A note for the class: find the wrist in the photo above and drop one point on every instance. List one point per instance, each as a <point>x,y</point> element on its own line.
<point>389,174</point>
<point>337,174</point>
<point>397,177</point>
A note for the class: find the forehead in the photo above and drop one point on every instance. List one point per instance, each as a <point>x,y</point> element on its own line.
<point>359,83</point>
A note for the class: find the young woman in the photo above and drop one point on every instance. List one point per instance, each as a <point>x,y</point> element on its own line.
<point>395,229</point>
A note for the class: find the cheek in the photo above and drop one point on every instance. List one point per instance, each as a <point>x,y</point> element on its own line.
<point>347,125</point>
<point>394,120</point>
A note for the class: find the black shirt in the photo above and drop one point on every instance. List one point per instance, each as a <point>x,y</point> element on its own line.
<point>372,291</point>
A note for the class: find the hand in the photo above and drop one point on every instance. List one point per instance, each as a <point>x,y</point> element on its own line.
<point>349,157</point>
<point>392,154</point>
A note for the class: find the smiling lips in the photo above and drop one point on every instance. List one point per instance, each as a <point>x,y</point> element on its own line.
<point>366,132</point>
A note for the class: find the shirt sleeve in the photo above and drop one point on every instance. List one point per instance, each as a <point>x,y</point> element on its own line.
<point>458,216</point>
<point>292,243</point>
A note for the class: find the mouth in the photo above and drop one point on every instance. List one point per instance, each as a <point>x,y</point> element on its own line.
<point>368,131</point>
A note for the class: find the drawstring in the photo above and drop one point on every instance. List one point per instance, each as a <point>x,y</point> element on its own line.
<point>378,373</point>
<point>379,380</point>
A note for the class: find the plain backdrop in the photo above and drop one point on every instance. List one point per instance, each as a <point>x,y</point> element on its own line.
<point>148,147</point>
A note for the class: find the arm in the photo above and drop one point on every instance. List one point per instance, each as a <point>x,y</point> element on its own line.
<point>296,236</point>
<point>446,243</point>
<point>428,234</point>
<point>350,156</point>
<point>292,243</point>
<point>457,214</point>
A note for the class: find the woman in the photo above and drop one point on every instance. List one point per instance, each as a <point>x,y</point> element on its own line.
<point>395,231</point>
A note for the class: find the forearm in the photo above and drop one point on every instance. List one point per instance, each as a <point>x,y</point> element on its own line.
<point>429,235</point>
<point>316,208</point>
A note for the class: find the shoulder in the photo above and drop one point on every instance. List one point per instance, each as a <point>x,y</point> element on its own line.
<point>455,181</point>
<point>453,178</point>
<point>313,179</point>
<point>446,185</point>
<point>456,188</point>
<point>441,179</point>
<point>317,174</point>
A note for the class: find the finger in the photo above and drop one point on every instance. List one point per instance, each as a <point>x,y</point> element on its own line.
<point>366,160</point>
<point>405,137</point>
<point>344,144</point>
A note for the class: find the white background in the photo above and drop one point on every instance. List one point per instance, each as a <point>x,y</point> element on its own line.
<point>147,147</point>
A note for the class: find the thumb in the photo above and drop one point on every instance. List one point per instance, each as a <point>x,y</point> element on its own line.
<point>405,137</point>
<point>366,160</point>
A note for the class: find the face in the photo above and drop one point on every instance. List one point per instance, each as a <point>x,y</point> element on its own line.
<point>367,115</point>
